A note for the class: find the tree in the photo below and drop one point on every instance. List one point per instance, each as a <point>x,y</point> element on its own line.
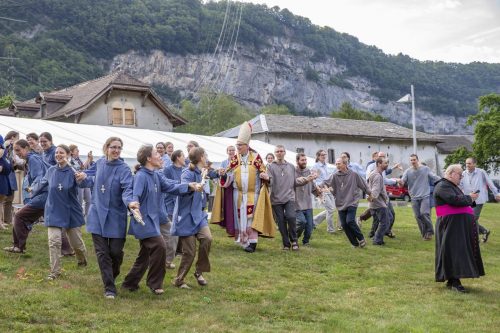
<point>458,157</point>
<point>347,111</point>
<point>6,101</point>
<point>212,115</point>
<point>275,109</point>
<point>486,144</point>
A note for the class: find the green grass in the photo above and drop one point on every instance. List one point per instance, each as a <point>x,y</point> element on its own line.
<point>328,287</point>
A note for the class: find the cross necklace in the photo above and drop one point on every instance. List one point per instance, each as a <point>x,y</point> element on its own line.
<point>60,187</point>
<point>102,188</point>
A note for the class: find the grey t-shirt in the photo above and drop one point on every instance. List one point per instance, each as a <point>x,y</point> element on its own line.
<point>419,180</point>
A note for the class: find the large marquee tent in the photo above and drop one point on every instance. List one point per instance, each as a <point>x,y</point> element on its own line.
<point>91,138</point>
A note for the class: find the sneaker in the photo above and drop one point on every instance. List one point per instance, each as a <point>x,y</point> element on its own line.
<point>199,278</point>
<point>52,277</point>
<point>362,243</point>
<point>486,235</point>
<point>182,286</point>
<point>13,249</point>
<point>170,265</point>
<point>109,295</point>
<point>158,291</point>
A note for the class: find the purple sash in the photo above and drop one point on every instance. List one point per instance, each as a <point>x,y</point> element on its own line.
<point>453,210</point>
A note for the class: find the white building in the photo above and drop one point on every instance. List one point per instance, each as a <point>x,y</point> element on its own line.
<point>358,137</point>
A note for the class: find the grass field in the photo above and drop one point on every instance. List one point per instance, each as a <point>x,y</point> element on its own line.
<point>329,287</point>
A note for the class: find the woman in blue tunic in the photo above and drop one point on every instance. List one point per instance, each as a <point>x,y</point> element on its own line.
<point>49,150</point>
<point>149,184</point>
<point>191,223</point>
<point>173,172</point>
<point>62,210</point>
<point>111,181</point>
<point>33,210</point>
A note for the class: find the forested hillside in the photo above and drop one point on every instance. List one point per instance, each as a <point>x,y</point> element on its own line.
<point>64,42</point>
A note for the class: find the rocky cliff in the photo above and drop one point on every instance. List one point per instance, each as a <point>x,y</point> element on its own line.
<point>281,72</point>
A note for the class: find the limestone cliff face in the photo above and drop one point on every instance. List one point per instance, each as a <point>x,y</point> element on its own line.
<point>282,72</point>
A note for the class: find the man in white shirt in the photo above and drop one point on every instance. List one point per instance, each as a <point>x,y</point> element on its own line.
<point>475,179</point>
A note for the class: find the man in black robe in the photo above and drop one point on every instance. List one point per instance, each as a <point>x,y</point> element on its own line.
<point>457,243</point>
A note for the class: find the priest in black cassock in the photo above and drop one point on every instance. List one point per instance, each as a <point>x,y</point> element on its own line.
<point>457,243</point>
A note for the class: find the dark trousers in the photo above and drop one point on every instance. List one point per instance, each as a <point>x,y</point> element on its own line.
<point>365,216</point>
<point>348,221</point>
<point>23,222</point>
<point>477,212</point>
<point>285,217</point>
<point>391,217</point>
<point>189,251</point>
<point>381,218</point>
<point>304,224</point>
<point>152,255</point>
<point>109,253</point>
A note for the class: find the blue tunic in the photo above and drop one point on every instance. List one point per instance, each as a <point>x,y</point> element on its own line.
<point>36,171</point>
<point>189,217</point>
<point>62,208</point>
<point>148,188</point>
<point>111,194</point>
<point>49,155</point>
<point>173,173</point>
<point>5,188</point>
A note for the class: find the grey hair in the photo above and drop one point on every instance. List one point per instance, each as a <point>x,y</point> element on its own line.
<point>452,168</point>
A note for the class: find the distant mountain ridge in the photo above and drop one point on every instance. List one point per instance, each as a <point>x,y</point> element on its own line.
<point>184,46</point>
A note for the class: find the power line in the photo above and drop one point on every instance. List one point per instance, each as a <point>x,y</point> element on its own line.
<point>11,19</point>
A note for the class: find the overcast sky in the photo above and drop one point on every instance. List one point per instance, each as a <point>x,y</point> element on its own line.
<point>448,30</point>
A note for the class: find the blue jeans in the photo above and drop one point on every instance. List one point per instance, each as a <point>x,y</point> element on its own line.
<point>381,217</point>
<point>348,221</point>
<point>304,224</point>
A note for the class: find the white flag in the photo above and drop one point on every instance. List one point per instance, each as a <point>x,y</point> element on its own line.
<point>405,99</point>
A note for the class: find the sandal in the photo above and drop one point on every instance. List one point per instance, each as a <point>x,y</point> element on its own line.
<point>199,278</point>
<point>52,277</point>
<point>182,286</point>
<point>295,247</point>
<point>158,291</point>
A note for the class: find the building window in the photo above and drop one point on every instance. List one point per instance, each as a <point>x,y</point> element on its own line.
<point>331,156</point>
<point>299,150</point>
<point>123,114</point>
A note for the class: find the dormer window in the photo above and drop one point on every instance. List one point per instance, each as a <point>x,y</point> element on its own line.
<point>123,114</point>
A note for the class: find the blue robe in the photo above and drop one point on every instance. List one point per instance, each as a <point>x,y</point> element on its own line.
<point>5,188</point>
<point>36,171</point>
<point>189,217</point>
<point>111,194</point>
<point>49,155</point>
<point>62,208</point>
<point>173,173</point>
<point>148,188</point>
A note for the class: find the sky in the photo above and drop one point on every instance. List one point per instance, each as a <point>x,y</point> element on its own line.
<point>441,30</point>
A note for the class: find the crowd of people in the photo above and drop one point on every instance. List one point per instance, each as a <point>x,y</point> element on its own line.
<point>167,197</point>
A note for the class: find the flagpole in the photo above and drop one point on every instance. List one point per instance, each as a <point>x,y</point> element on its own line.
<point>413,120</point>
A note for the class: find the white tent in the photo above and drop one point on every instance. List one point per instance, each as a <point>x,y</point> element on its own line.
<point>92,137</point>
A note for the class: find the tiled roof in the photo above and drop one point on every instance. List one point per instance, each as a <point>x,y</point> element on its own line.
<point>79,97</point>
<point>328,126</point>
<point>450,143</point>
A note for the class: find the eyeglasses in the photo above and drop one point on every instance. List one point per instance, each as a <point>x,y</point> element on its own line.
<point>115,148</point>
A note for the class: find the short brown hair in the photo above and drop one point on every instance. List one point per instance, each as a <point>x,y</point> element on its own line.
<point>299,155</point>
